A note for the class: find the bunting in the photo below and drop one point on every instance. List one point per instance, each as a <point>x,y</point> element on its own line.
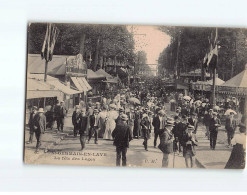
<point>49,42</point>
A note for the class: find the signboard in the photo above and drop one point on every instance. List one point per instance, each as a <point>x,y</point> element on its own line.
<point>76,65</point>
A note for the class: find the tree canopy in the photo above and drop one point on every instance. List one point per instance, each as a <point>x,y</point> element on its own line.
<point>189,45</point>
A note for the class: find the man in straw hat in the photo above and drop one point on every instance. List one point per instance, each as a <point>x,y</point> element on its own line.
<point>39,127</point>
<point>230,127</point>
<point>122,137</point>
<point>166,142</point>
<point>31,123</point>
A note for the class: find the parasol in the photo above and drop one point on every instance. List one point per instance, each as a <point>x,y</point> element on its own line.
<point>187,98</point>
<point>134,100</point>
<point>229,111</point>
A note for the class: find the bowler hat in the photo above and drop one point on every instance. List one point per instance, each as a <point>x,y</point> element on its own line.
<point>124,117</point>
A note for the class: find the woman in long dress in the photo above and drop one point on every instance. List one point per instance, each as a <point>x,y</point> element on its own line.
<point>238,155</point>
<point>102,120</point>
<point>110,123</point>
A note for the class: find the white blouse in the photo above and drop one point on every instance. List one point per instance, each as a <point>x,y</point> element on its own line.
<point>240,139</point>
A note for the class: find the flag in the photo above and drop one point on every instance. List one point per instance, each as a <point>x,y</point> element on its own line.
<point>211,57</point>
<point>49,42</point>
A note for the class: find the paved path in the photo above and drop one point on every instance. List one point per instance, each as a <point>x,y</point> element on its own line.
<point>104,154</point>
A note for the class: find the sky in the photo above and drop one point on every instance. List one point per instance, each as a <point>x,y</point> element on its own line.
<point>151,40</point>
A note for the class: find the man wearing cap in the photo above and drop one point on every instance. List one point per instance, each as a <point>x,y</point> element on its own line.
<point>31,123</point>
<point>145,124</point>
<point>76,120</point>
<point>213,129</point>
<point>159,124</point>
<point>230,127</point>
<point>166,142</point>
<point>122,137</point>
<point>39,127</point>
<point>93,122</point>
<point>121,112</point>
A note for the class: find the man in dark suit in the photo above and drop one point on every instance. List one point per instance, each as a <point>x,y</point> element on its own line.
<point>93,122</point>
<point>31,124</point>
<point>166,142</point>
<point>122,137</point>
<point>213,128</point>
<point>83,128</point>
<point>76,120</point>
<point>39,127</point>
<point>230,126</point>
<point>159,124</point>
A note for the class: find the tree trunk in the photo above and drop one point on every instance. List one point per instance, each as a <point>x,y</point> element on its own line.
<point>82,44</point>
<point>95,63</point>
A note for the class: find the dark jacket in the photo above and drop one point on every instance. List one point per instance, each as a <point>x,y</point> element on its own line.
<point>83,125</point>
<point>175,130</point>
<point>40,123</point>
<point>156,123</point>
<point>166,142</point>
<point>76,120</point>
<point>122,135</point>
<point>57,110</point>
<point>92,121</point>
<point>206,119</point>
<point>193,123</point>
<point>31,121</point>
<point>181,129</point>
<point>230,126</point>
<point>212,126</point>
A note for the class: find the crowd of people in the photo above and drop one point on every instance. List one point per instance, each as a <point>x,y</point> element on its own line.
<point>136,113</point>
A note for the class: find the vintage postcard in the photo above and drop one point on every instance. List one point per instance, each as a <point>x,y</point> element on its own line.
<point>136,96</point>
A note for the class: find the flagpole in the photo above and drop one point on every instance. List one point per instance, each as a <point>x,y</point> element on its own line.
<point>214,73</point>
<point>46,65</point>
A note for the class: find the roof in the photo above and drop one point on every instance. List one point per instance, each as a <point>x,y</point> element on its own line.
<point>240,80</point>
<point>40,89</point>
<point>93,75</point>
<point>218,81</point>
<point>55,83</point>
<point>81,83</point>
<point>37,66</point>
<point>104,73</point>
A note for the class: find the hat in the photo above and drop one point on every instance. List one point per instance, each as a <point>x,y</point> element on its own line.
<point>210,110</point>
<point>97,103</point>
<point>35,108</point>
<point>121,110</point>
<point>62,101</point>
<point>176,117</point>
<point>41,110</point>
<point>169,123</point>
<point>215,113</point>
<point>124,117</point>
<point>96,110</point>
<point>190,127</point>
<point>161,112</point>
<point>77,107</point>
<point>112,106</point>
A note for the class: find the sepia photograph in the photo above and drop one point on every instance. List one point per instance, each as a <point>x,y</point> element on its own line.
<point>135,96</point>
